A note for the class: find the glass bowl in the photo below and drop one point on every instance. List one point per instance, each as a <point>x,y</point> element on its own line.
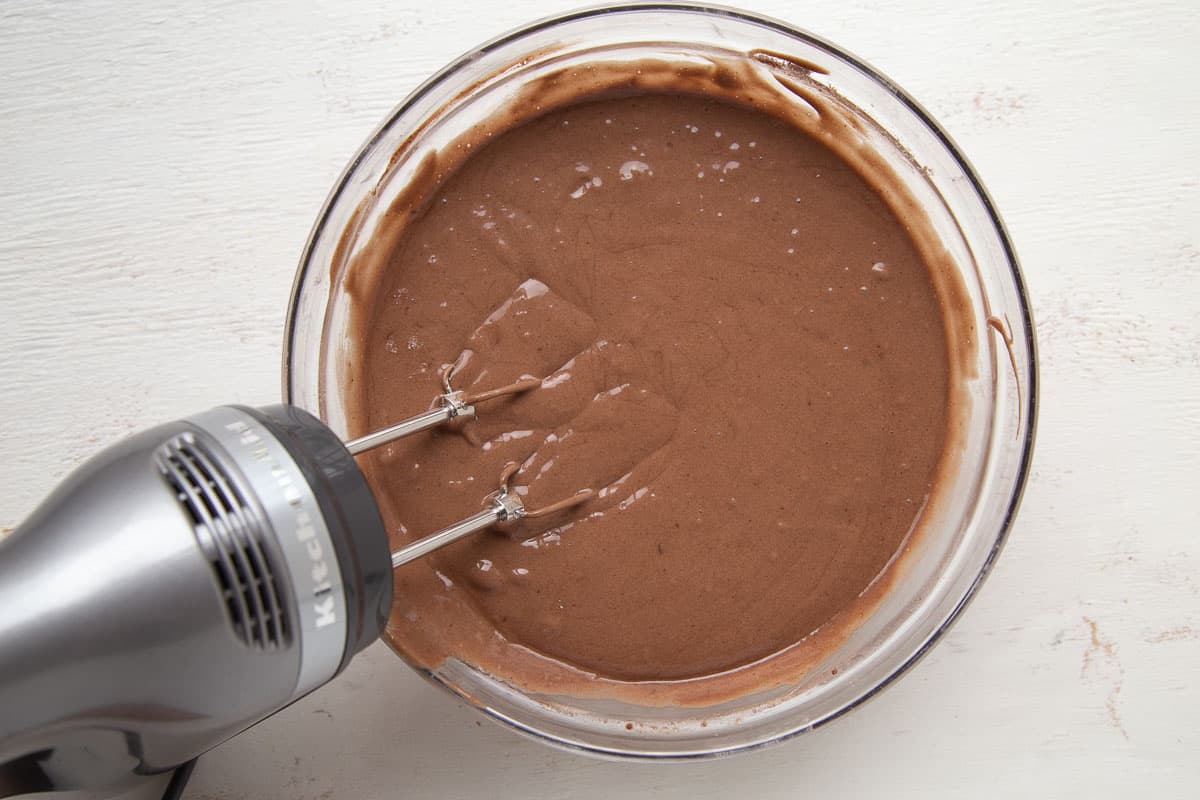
<point>939,570</point>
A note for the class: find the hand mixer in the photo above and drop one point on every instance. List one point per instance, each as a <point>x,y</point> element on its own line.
<point>192,580</point>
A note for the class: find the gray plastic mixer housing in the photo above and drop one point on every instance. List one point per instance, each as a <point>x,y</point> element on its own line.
<point>176,589</point>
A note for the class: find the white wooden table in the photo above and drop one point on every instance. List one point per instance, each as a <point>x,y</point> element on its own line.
<point>161,165</point>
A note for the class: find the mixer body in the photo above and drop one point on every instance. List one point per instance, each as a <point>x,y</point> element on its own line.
<point>177,588</point>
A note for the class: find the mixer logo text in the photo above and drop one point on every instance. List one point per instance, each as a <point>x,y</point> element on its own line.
<point>323,606</point>
<point>322,589</point>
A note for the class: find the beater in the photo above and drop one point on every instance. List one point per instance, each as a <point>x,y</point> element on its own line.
<point>193,579</point>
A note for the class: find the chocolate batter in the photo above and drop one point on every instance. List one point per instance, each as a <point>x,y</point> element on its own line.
<point>742,355</point>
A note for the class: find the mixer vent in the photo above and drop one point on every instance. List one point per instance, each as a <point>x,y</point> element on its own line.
<point>231,534</point>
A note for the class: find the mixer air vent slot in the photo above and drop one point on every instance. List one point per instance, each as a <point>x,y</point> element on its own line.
<point>231,535</point>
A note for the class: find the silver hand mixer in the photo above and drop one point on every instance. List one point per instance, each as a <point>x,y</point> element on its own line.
<point>188,582</point>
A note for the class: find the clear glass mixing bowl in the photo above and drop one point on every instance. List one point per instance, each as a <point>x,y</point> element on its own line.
<point>943,567</point>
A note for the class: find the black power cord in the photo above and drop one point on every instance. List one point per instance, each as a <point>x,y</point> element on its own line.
<point>179,781</point>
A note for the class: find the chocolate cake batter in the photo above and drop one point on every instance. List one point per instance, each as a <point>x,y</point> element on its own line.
<point>742,356</point>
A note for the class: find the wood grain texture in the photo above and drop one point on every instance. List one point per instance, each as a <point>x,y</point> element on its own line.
<point>164,161</point>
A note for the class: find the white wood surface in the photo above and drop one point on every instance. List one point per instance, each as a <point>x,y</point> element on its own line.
<point>162,164</point>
